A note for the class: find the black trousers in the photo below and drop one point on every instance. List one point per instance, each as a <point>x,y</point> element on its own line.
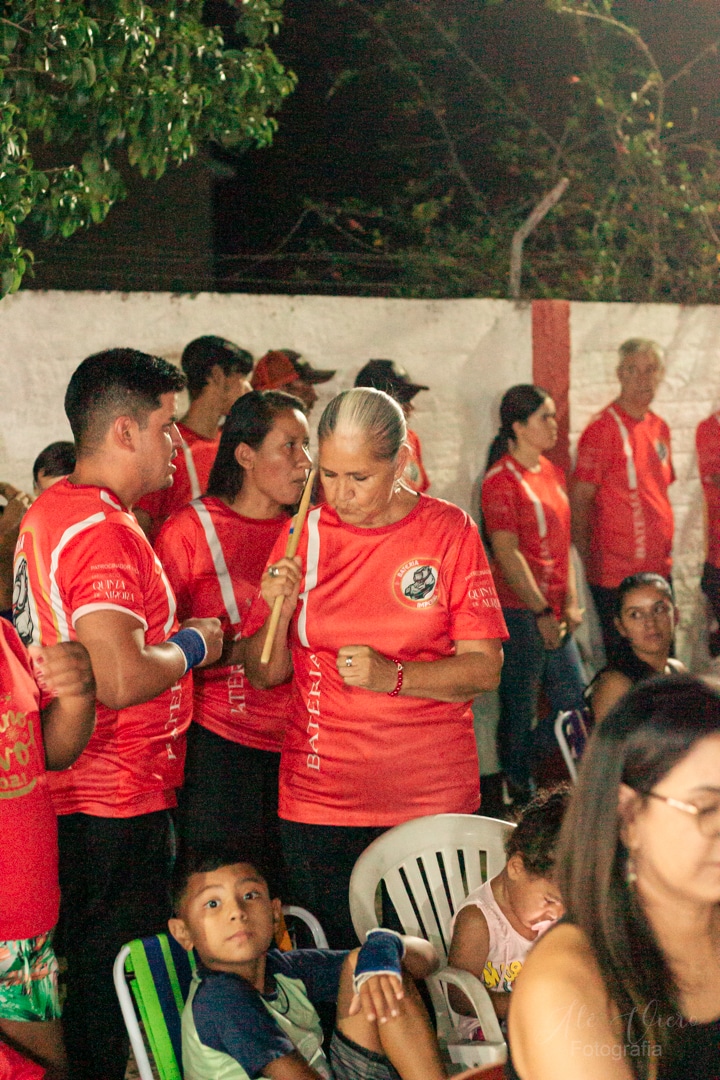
<point>320,860</point>
<point>229,801</point>
<point>710,585</point>
<point>114,882</point>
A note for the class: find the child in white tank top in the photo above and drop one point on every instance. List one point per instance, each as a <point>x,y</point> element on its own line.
<point>496,926</point>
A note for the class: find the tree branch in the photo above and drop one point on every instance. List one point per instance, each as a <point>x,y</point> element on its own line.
<point>686,68</point>
<point>482,76</point>
<point>436,113</point>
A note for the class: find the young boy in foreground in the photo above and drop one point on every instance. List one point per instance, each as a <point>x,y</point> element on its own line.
<point>250,1010</point>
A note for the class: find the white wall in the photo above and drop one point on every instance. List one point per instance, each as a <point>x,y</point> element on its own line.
<point>468,351</point>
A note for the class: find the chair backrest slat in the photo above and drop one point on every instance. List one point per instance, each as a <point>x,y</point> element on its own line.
<point>155,996</point>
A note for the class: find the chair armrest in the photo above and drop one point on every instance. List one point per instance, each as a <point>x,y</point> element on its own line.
<point>310,921</point>
<point>130,1016</point>
<point>478,997</point>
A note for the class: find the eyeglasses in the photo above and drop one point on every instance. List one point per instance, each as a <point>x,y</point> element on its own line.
<point>707,817</point>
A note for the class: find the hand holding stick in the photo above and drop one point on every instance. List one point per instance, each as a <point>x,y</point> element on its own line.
<point>292,546</point>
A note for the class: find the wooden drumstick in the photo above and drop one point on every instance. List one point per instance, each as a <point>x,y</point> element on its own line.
<point>292,546</point>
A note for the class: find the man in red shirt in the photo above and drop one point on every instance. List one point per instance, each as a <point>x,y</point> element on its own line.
<point>84,569</point>
<point>621,515</point>
<point>394,380</point>
<point>282,369</point>
<point>217,374</point>
<point>707,442</point>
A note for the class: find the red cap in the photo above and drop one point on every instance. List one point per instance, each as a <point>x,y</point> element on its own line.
<point>281,366</point>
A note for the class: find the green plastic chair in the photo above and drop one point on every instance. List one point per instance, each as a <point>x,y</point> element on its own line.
<point>156,973</point>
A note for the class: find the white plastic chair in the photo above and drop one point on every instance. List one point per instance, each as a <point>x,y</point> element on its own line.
<point>172,1066</point>
<point>428,867</point>
<point>572,733</point>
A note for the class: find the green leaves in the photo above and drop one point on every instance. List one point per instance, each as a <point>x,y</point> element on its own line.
<point>103,77</point>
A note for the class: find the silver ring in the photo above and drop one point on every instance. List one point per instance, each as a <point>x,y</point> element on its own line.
<point>273,571</point>
<point>348,661</point>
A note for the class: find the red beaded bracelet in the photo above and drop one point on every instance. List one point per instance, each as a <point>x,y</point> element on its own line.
<point>398,684</point>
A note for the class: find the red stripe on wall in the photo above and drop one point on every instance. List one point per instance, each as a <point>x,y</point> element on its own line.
<point>551,367</point>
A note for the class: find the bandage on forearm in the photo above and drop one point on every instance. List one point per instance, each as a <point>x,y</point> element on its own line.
<point>381,954</point>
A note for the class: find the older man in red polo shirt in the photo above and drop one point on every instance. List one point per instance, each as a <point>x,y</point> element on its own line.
<point>622,517</point>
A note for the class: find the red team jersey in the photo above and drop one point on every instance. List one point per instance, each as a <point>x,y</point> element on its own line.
<point>415,475</point>
<point>28,827</point>
<point>193,464</point>
<point>215,558</point>
<point>632,520</point>
<point>409,590</point>
<point>534,506</point>
<point>707,442</point>
<point>80,551</point>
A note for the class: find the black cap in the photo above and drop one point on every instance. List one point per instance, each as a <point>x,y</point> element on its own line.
<point>388,376</point>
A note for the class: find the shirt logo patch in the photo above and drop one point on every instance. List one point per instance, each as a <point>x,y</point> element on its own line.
<point>24,613</point>
<point>662,451</point>
<point>415,583</point>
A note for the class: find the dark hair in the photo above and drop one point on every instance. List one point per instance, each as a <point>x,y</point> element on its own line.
<point>537,831</point>
<point>650,730</point>
<point>621,655</point>
<point>517,406</point>
<point>639,581</point>
<point>202,354</point>
<point>249,421</point>
<point>57,459</point>
<point>114,383</point>
<point>203,861</point>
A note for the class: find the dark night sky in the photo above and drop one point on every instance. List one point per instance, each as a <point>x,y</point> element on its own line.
<point>329,148</point>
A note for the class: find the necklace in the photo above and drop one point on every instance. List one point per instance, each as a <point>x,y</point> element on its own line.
<point>282,1002</point>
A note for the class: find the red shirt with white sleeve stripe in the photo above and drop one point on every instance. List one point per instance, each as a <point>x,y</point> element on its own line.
<point>629,462</point>
<point>28,826</point>
<point>215,558</point>
<point>532,504</point>
<point>707,442</point>
<point>193,465</point>
<point>81,551</point>
<point>409,590</point>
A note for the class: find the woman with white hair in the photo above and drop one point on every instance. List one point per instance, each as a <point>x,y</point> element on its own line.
<point>390,625</point>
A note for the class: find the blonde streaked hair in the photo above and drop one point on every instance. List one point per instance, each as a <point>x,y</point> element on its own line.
<point>370,413</point>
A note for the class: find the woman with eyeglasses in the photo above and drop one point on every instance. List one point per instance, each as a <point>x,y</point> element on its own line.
<point>627,986</point>
<point>645,618</point>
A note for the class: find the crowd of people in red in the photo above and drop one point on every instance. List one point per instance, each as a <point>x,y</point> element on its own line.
<point>139,715</point>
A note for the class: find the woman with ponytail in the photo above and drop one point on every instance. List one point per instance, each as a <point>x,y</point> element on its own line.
<point>526,518</point>
<point>214,552</point>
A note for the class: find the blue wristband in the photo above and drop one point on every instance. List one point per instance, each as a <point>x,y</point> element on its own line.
<point>191,644</point>
<point>381,954</point>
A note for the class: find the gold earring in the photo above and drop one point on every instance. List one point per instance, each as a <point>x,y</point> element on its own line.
<point>630,871</point>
